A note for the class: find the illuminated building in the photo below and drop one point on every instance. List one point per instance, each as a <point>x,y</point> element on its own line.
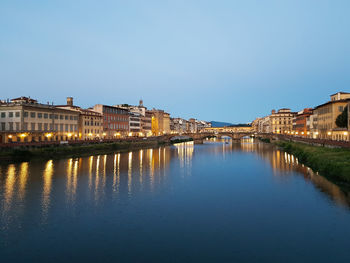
<point>160,122</point>
<point>281,121</point>
<point>25,120</point>
<point>90,122</point>
<point>115,120</point>
<point>134,123</point>
<point>327,114</point>
<point>145,118</point>
<point>301,126</point>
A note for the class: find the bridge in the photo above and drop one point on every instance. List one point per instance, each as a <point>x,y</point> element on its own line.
<point>199,137</point>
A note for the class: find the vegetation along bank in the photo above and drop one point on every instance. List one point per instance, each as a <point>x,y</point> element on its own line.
<point>333,163</point>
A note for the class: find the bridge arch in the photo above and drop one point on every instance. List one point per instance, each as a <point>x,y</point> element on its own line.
<point>203,136</point>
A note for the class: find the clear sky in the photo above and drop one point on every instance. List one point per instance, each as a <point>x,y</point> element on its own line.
<point>214,60</point>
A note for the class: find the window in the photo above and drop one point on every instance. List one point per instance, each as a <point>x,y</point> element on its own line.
<point>51,126</point>
<point>40,126</point>
<point>61,126</point>
<point>17,114</point>
<point>71,117</point>
<point>56,116</point>
<point>17,126</point>
<point>3,126</point>
<point>61,117</point>
<point>341,108</point>
<point>25,126</point>
<point>40,115</point>
<point>33,126</point>
<point>3,114</point>
<point>45,115</point>
<point>25,114</point>
<point>66,117</point>
<point>56,127</point>
<point>51,116</point>
<point>66,127</point>
<point>10,114</point>
<point>45,126</point>
<point>32,114</point>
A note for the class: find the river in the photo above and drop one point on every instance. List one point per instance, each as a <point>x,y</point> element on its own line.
<point>221,201</point>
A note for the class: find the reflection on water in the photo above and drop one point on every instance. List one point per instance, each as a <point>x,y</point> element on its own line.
<point>152,180</point>
<point>47,181</point>
<point>143,170</point>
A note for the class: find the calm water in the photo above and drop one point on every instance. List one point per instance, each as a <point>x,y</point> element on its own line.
<point>216,202</point>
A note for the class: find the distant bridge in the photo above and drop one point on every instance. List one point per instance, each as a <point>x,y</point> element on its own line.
<point>199,137</point>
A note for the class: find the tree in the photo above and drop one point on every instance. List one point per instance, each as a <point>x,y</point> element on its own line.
<point>342,119</point>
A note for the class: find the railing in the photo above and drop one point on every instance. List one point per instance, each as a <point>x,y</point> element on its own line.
<point>322,142</point>
<point>76,142</point>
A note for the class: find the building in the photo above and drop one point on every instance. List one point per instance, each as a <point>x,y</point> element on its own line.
<point>281,121</point>
<point>160,122</point>
<point>90,122</point>
<point>327,114</point>
<point>135,124</point>
<point>201,125</point>
<point>178,125</point>
<point>349,115</point>
<point>25,120</point>
<point>145,117</point>
<point>115,120</point>
<point>301,122</point>
<point>256,124</point>
<point>192,125</point>
<point>146,123</point>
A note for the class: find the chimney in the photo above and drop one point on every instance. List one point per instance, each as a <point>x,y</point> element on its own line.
<point>273,112</point>
<point>70,101</point>
<point>141,103</point>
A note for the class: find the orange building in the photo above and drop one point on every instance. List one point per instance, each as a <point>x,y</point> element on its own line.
<point>301,127</point>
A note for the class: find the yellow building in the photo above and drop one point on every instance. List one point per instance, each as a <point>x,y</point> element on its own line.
<point>160,122</point>
<point>25,120</point>
<point>327,114</point>
<point>90,122</point>
<point>281,121</point>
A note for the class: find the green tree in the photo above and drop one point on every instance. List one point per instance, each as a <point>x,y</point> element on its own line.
<point>342,119</point>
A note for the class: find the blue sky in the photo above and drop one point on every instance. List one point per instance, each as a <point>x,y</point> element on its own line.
<point>214,60</point>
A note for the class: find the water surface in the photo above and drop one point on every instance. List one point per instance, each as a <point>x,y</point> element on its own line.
<point>216,202</point>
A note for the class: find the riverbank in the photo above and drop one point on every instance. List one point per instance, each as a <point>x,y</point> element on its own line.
<point>56,152</point>
<point>333,163</point>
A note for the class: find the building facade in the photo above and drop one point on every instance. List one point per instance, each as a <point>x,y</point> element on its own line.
<point>160,122</point>
<point>115,120</point>
<point>135,124</point>
<point>90,122</point>
<point>145,117</point>
<point>327,114</point>
<point>281,121</point>
<point>25,120</point>
<point>301,126</point>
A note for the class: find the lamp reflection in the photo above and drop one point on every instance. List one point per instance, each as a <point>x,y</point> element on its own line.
<point>9,186</point>
<point>140,166</point>
<point>129,172</point>
<point>23,178</point>
<point>47,178</point>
